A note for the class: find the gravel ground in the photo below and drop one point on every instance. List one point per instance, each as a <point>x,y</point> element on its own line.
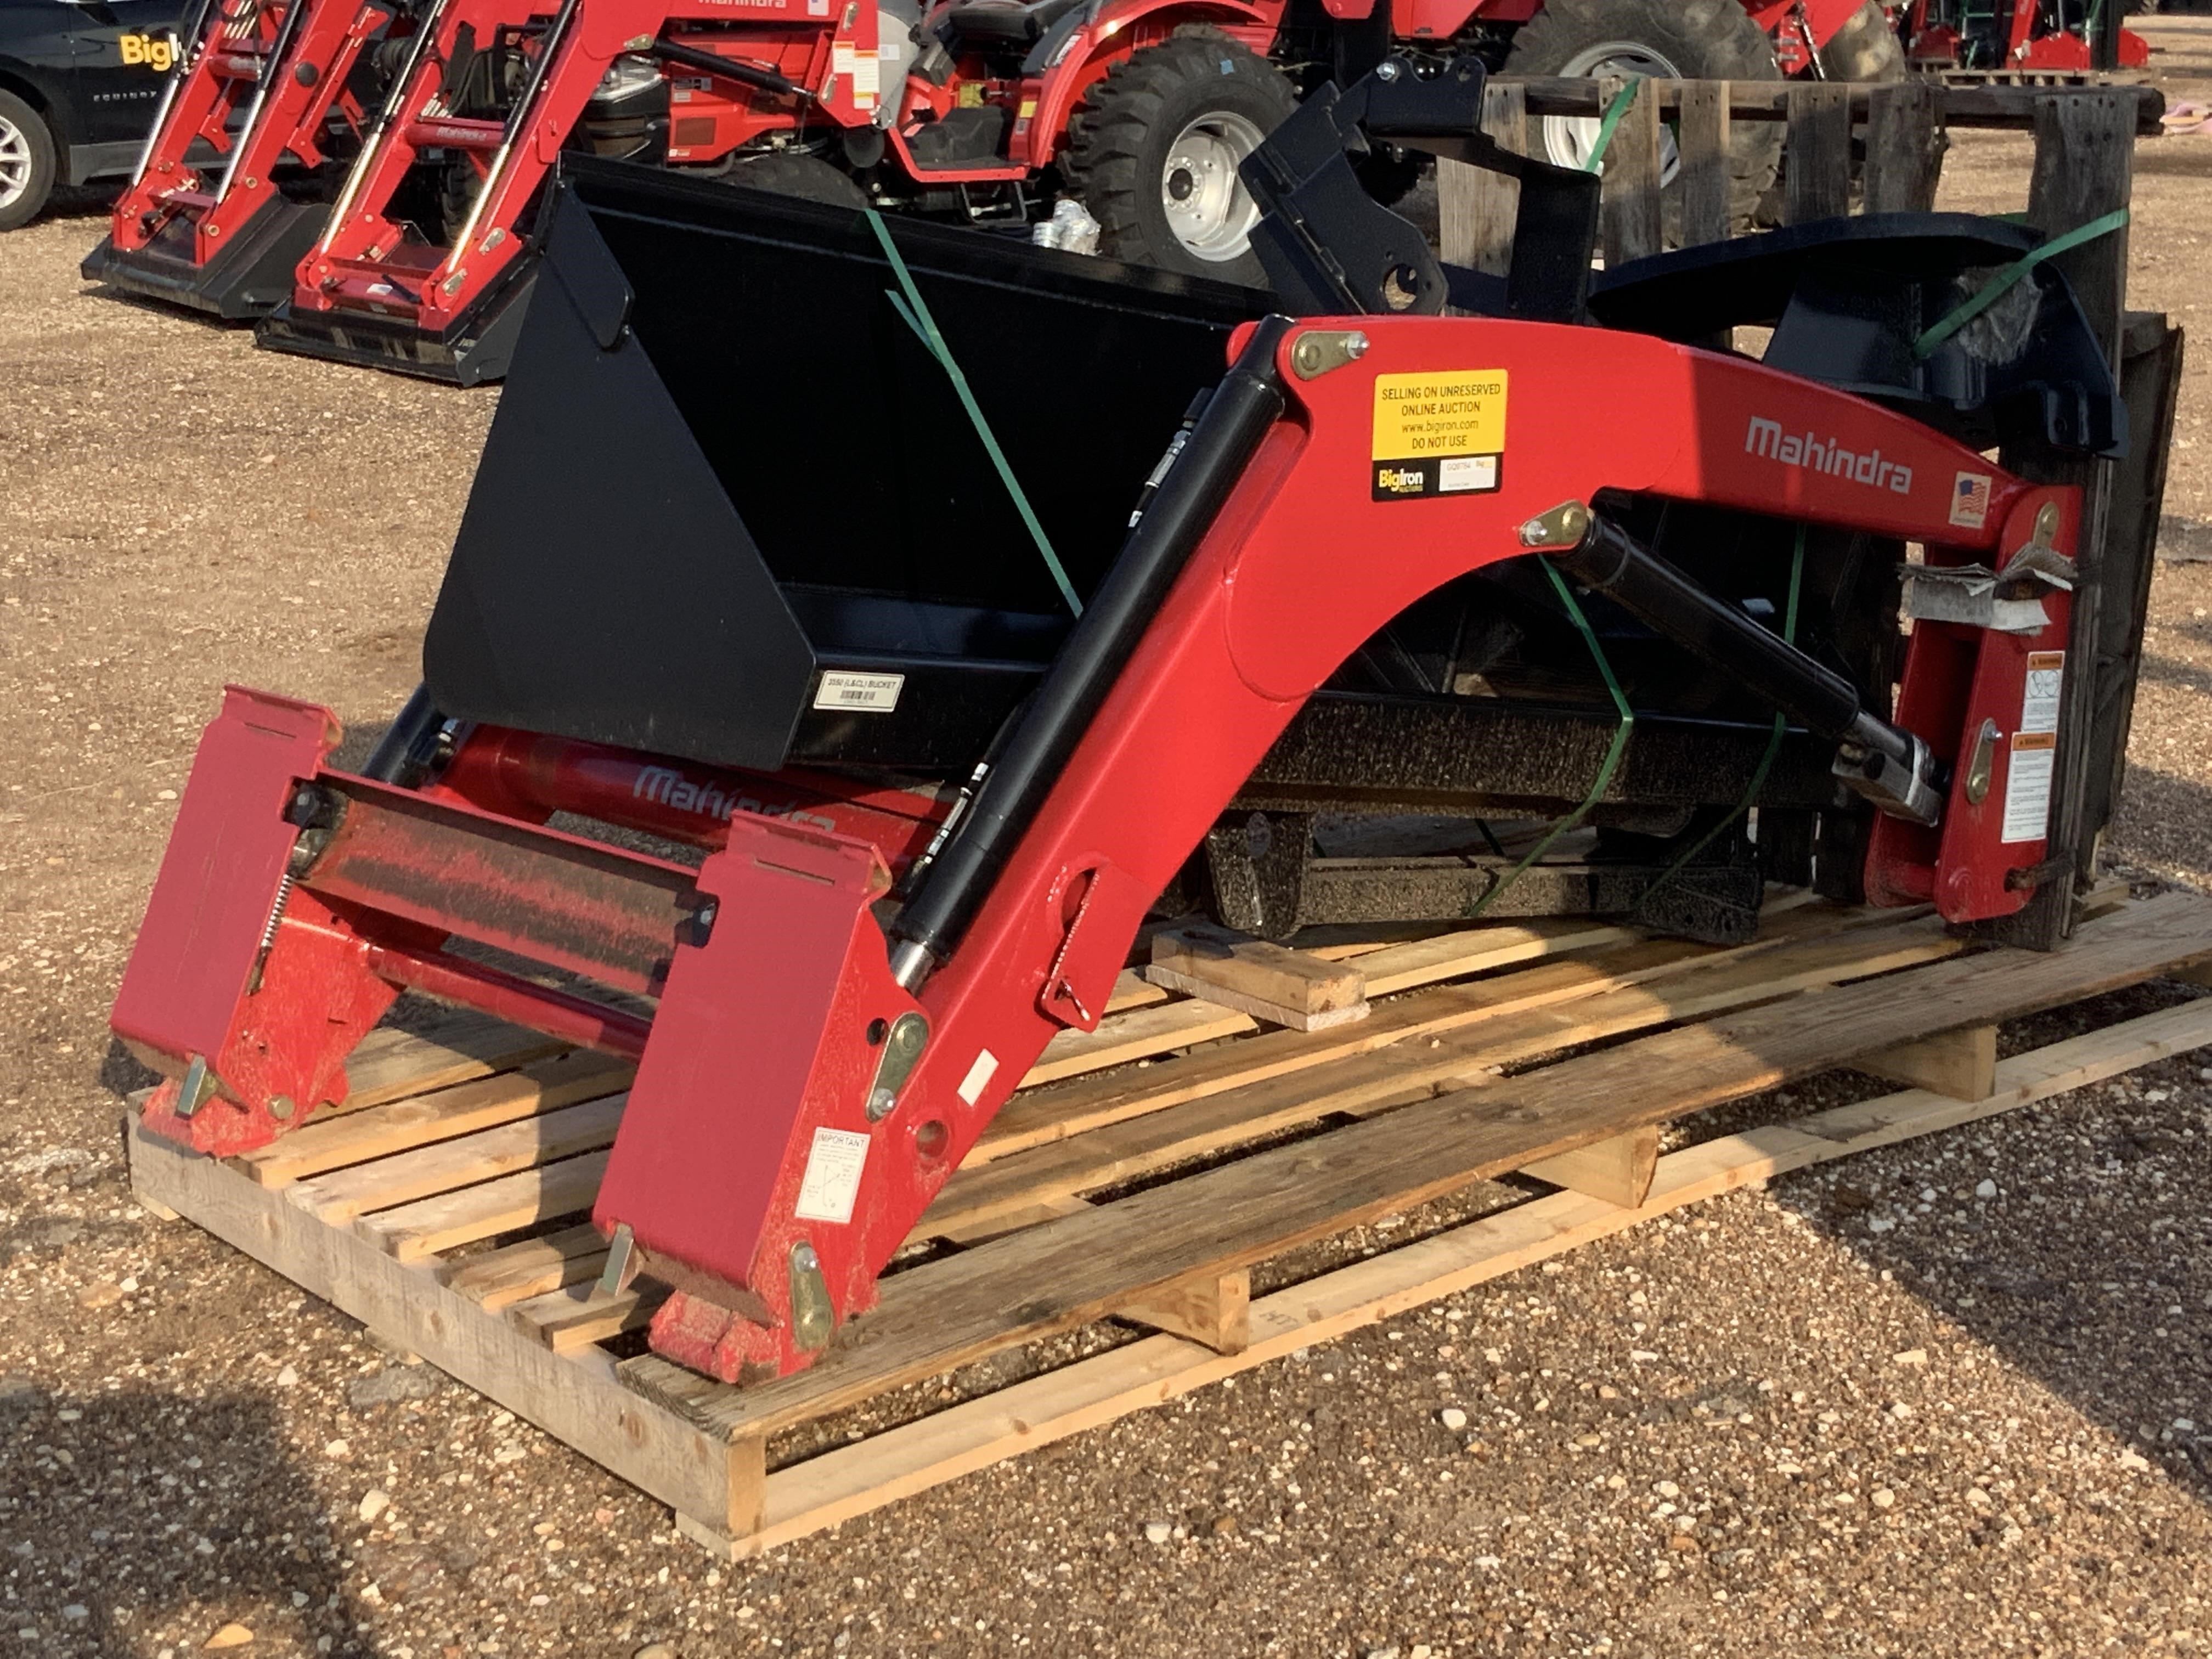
<point>1955,1397</point>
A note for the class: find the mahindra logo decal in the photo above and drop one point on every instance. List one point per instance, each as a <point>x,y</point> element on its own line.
<point>667,787</point>
<point>1766,440</point>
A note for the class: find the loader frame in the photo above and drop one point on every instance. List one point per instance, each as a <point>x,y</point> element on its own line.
<point>334,893</point>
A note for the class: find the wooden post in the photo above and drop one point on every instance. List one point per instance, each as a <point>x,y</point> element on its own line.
<point>1701,136</point>
<point>1215,1309</point>
<point>1629,213</point>
<point>1962,1064</point>
<point>2084,168</point>
<point>724,1534</point>
<point>1904,146</point>
<point>1617,1169</point>
<point>1816,162</point>
<point>1476,208</point>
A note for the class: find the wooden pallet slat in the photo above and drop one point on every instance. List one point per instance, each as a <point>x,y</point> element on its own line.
<point>499,1278</point>
<point>1629,219</point>
<point>1272,982</point>
<point>436,1114</point>
<point>412,1232</point>
<point>384,1183</point>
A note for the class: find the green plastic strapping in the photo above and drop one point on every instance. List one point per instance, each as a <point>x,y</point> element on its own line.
<point>1609,120</point>
<point>910,305</point>
<point>1995,289</point>
<point>1612,754</point>
<point>1773,744</point>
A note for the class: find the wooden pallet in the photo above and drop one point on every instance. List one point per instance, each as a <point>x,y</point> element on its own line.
<point>444,1206</point>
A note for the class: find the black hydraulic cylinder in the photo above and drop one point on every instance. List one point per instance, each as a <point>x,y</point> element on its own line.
<point>1608,561</point>
<point>1891,767</point>
<point>408,751</point>
<point>1242,407</point>
<point>729,69</point>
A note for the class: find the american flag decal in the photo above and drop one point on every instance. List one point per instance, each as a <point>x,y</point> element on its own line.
<point>1970,500</point>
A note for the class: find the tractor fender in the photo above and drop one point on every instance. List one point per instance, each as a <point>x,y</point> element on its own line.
<point>1071,65</point>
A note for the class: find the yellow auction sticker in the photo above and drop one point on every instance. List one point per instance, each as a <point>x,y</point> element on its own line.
<point>1438,434</point>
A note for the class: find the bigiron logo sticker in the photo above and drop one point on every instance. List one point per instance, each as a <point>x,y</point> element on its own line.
<point>1438,435</point>
<point>155,51</point>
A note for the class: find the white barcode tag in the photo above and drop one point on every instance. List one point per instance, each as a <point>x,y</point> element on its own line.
<point>870,694</point>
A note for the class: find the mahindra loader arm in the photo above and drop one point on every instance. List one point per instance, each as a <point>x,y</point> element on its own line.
<point>210,221</point>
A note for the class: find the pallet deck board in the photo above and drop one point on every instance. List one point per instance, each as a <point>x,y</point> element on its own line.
<point>321,1144</point>
<point>1363,1084</point>
<point>1036,1117</point>
<point>385,1183</point>
<point>1409,1103</point>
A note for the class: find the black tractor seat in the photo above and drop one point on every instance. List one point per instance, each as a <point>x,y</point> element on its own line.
<point>1003,25</point>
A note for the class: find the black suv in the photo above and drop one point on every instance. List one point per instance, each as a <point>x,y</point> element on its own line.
<point>80,81</point>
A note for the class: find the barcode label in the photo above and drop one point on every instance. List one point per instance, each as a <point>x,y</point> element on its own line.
<point>870,694</point>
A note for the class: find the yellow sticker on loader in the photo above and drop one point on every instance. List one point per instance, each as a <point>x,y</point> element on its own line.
<point>1438,435</point>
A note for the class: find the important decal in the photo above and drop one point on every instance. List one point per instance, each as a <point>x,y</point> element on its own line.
<point>832,1181</point>
<point>1438,435</point>
<point>869,693</point>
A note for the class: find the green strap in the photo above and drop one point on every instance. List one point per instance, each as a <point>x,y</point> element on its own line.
<point>1611,119</point>
<point>1773,743</point>
<point>1612,755</point>
<point>916,313</point>
<point>1994,289</point>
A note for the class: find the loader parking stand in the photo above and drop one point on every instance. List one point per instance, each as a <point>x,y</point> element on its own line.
<point>1199,848</point>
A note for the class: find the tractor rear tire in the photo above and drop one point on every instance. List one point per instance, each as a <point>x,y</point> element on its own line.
<point>1865,49</point>
<point>1686,40</point>
<point>795,172</point>
<point>28,163</point>
<point>1154,149</point>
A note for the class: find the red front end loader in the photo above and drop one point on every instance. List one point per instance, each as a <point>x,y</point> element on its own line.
<point>925,715</point>
<point>393,151</point>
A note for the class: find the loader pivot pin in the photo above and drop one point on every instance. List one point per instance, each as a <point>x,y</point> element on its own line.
<point>1563,527</point>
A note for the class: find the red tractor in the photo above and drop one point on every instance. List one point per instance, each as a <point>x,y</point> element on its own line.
<point>2033,37</point>
<point>363,173</point>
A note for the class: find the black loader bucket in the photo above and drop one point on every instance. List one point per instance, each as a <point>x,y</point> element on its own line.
<point>738,507</point>
<point>734,509</point>
<point>246,280</point>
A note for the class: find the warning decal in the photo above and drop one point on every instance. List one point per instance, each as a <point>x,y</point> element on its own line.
<point>1438,435</point>
<point>2027,785</point>
<point>2039,703</point>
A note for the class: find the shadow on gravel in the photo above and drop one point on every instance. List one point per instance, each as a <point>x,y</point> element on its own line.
<point>2070,1235</point>
<point>135,1520</point>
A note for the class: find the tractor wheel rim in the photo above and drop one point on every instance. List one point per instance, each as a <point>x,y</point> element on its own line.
<point>1208,207</point>
<point>14,162</point>
<point>1569,139</point>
